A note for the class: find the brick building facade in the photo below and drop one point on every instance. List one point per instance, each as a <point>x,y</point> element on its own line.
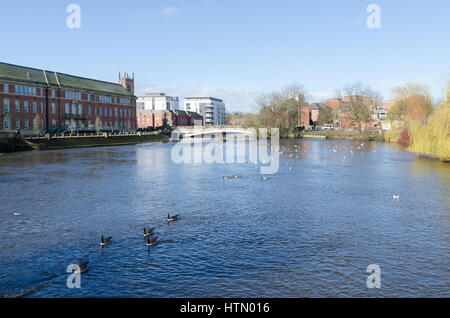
<point>161,118</point>
<point>33,99</point>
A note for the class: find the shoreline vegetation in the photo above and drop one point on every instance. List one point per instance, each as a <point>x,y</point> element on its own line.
<point>416,123</point>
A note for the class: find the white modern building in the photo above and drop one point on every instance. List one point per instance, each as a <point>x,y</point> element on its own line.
<point>212,109</point>
<point>157,101</point>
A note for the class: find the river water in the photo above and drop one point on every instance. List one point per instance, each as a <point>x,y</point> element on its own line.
<point>310,230</point>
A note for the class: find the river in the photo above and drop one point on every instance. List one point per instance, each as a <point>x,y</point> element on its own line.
<point>310,230</point>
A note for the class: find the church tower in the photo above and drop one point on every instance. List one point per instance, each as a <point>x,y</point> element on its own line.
<point>127,82</point>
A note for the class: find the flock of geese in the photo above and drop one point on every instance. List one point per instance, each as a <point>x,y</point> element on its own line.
<point>148,234</point>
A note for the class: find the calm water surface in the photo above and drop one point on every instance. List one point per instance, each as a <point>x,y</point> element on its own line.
<point>309,230</point>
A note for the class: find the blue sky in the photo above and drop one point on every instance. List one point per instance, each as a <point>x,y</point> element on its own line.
<point>234,49</point>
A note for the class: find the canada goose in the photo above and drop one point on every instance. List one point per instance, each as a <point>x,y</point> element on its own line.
<point>106,241</point>
<point>149,232</point>
<point>264,178</point>
<point>172,218</point>
<point>17,214</point>
<point>152,241</point>
<point>84,267</point>
<point>396,197</point>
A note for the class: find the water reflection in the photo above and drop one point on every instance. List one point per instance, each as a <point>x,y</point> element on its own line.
<point>309,230</point>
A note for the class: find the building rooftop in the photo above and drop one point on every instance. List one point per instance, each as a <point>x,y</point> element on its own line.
<point>212,98</point>
<point>28,75</point>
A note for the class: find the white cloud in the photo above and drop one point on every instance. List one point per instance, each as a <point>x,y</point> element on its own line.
<point>169,11</point>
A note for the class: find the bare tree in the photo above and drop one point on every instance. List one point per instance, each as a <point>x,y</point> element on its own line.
<point>359,101</point>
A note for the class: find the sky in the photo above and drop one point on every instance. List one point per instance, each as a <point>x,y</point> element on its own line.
<point>234,49</point>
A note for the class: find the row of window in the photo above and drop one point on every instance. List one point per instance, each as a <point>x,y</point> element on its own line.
<point>75,109</point>
<point>34,106</point>
<point>26,124</point>
<point>99,111</point>
<point>33,91</point>
<point>25,90</point>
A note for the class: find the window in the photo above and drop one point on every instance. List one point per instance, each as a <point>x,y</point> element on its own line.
<point>5,86</point>
<point>6,105</point>
<point>89,97</point>
<point>89,110</point>
<point>42,107</point>
<point>121,113</point>
<point>25,107</point>
<point>115,112</point>
<point>53,93</point>
<point>53,108</point>
<point>53,122</point>
<point>17,106</point>
<point>74,109</point>
<point>34,107</point>
<point>80,109</point>
<point>101,110</point>
<point>6,123</point>
<point>42,123</point>
<point>17,123</point>
<point>26,124</point>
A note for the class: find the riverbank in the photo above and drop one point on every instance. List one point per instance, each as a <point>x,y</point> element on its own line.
<point>15,144</point>
<point>339,134</point>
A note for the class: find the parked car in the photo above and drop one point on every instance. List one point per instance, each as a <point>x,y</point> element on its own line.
<point>328,127</point>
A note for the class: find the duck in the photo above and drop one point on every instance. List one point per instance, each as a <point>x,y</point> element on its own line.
<point>225,177</point>
<point>396,197</point>
<point>17,214</point>
<point>172,218</point>
<point>152,241</point>
<point>106,241</point>
<point>149,232</point>
<point>264,178</point>
<point>84,267</point>
<point>235,177</point>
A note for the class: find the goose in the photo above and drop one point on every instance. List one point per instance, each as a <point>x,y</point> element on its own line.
<point>149,232</point>
<point>84,267</point>
<point>396,197</point>
<point>172,218</point>
<point>17,214</point>
<point>152,241</point>
<point>106,241</point>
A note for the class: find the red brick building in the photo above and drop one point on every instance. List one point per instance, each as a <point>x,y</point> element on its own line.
<point>172,118</point>
<point>33,99</point>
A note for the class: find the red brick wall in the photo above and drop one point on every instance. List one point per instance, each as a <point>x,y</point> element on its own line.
<point>127,120</point>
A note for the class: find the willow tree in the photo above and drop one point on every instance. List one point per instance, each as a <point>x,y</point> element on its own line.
<point>433,137</point>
